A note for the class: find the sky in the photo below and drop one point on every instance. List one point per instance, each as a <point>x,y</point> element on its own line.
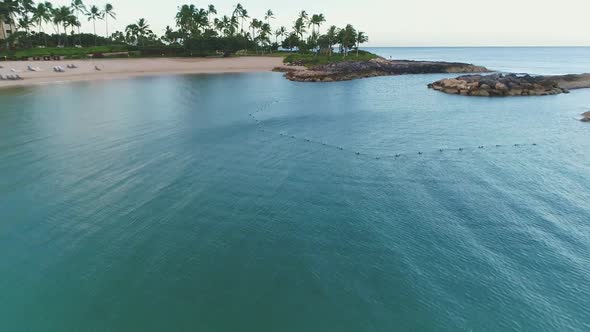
<point>399,22</point>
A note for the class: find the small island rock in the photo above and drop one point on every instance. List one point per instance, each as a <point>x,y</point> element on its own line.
<point>349,70</point>
<point>500,85</point>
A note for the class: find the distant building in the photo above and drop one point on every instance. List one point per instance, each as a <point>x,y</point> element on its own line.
<point>6,29</point>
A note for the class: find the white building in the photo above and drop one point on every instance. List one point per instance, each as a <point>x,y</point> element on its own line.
<point>6,29</point>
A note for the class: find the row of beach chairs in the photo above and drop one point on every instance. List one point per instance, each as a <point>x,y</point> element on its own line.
<point>10,77</point>
<point>57,69</point>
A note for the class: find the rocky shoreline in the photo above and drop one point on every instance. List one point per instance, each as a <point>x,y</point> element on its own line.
<point>350,70</point>
<point>585,117</point>
<point>502,85</point>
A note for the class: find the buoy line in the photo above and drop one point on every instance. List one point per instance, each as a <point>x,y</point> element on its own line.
<point>267,105</point>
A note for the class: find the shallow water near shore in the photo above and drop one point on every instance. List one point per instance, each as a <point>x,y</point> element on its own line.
<point>238,202</point>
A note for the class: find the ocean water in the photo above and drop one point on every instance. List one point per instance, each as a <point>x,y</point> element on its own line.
<point>239,203</point>
<point>531,60</point>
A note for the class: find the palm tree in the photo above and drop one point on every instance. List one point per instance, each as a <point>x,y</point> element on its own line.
<point>361,38</point>
<point>108,11</point>
<point>233,23</point>
<point>255,24</point>
<point>269,14</point>
<point>303,15</point>
<point>200,20</point>
<point>26,7</point>
<point>226,25</point>
<point>139,30</point>
<point>42,14</point>
<point>185,19</point>
<point>241,13</point>
<point>299,27</point>
<point>93,15</point>
<point>265,33</point>
<point>281,32</point>
<point>332,35</point>
<point>70,21</point>
<point>78,7</point>
<point>316,20</point>
<point>347,38</point>
<point>25,22</point>
<point>211,10</point>
<point>62,16</point>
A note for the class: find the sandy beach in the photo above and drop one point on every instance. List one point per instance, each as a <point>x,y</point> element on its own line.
<point>123,68</point>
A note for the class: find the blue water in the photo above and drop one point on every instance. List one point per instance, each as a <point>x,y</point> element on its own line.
<point>532,60</point>
<point>224,203</point>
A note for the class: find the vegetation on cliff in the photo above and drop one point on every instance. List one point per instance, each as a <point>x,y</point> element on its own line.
<point>311,59</point>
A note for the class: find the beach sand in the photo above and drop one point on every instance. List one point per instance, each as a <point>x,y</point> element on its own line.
<point>123,68</point>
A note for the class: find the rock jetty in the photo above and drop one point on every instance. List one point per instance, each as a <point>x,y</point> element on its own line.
<point>501,85</point>
<point>350,70</point>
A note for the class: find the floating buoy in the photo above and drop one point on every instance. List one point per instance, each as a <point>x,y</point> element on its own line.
<point>441,150</point>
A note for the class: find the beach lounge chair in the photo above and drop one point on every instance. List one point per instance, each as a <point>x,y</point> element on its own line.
<point>97,68</point>
<point>59,69</point>
<point>72,66</point>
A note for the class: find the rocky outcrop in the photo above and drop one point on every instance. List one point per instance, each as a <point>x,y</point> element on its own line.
<point>585,117</point>
<point>501,85</point>
<point>349,70</point>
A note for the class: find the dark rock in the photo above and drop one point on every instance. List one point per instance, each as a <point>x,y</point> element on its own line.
<point>512,84</point>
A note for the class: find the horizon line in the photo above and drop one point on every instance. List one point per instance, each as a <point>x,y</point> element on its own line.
<point>483,46</point>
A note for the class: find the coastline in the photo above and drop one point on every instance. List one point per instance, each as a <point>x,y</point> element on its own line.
<point>351,70</point>
<point>128,68</point>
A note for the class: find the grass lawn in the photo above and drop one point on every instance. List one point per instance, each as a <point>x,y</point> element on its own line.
<point>70,52</point>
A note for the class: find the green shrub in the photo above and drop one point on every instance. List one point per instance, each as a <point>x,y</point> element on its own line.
<point>313,59</point>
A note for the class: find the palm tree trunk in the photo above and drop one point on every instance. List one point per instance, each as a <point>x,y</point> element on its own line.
<point>79,34</point>
<point>94,23</point>
<point>106,20</point>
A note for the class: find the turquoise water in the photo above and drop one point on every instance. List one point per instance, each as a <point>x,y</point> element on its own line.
<point>224,203</point>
